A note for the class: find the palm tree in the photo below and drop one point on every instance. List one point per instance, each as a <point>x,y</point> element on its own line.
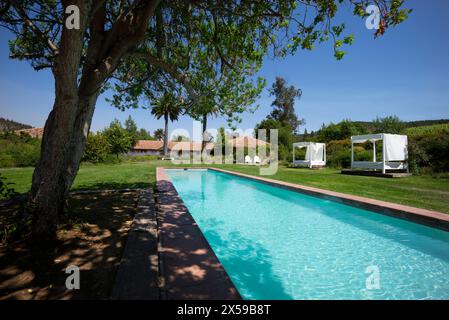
<point>213,111</point>
<point>167,106</point>
<point>159,134</point>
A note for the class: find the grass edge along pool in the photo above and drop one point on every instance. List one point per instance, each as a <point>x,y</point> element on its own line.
<point>280,244</point>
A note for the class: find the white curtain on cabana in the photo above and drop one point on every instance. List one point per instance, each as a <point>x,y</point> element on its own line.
<point>395,147</point>
<point>394,150</point>
<point>315,154</point>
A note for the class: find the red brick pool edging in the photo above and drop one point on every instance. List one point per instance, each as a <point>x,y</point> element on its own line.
<point>188,265</point>
<point>422,216</point>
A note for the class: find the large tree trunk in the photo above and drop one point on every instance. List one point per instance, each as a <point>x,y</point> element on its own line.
<point>69,122</point>
<point>59,165</point>
<point>166,135</point>
<point>47,195</point>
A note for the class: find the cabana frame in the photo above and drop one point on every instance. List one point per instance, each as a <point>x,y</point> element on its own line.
<point>312,159</point>
<point>394,152</point>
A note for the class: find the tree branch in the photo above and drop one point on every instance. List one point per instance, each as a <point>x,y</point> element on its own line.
<point>172,71</point>
<point>22,13</point>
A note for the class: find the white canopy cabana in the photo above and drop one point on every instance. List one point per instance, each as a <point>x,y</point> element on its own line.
<point>315,154</point>
<point>394,152</point>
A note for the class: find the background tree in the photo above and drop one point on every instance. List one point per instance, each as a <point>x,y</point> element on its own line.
<point>118,138</point>
<point>159,134</point>
<point>342,130</point>
<point>180,138</point>
<point>131,128</point>
<point>390,124</point>
<point>144,134</point>
<point>202,112</point>
<point>285,136</point>
<point>167,106</point>
<point>283,116</point>
<point>200,37</point>
<point>97,148</point>
<point>284,103</point>
<point>222,140</point>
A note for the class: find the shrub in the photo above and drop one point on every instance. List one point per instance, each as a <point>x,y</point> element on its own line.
<point>338,153</point>
<point>6,191</point>
<point>120,141</point>
<point>390,124</point>
<point>429,149</point>
<point>18,150</point>
<point>97,148</point>
<point>141,158</point>
<point>343,130</point>
<point>417,157</point>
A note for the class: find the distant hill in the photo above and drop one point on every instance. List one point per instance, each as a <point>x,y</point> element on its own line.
<point>10,125</point>
<point>410,124</point>
<point>420,125</point>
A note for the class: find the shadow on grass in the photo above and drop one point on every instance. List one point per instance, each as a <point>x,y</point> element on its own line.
<point>112,186</point>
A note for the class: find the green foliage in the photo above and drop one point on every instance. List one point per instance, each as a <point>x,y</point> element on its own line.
<point>338,153</point>
<point>284,104</point>
<point>10,125</point>
<point>18,150</point>
<point>222,139</point>
<point>118,138</point>
<point>131,128</point>
<point>340,131</point>
<point>167,106</point>
<point>143,134</point>
<point>422,131</point>
<point>210,53</point>
<point>159,134</point>
<point>285,136</point>
<point>417,157</point>
<point>180,138</point>
<point>6,191</point>
<point>141,158</point>
<point>390,124</point>
<point>429,152</point>
<point>97,148</point>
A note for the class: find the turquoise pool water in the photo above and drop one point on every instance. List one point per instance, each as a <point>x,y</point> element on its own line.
<point>279,244</point>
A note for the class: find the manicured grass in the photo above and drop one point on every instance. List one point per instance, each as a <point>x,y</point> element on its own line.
<point>99,177</point>
<point>418,191</point>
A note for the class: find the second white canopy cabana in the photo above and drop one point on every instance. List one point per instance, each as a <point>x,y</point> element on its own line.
<point>394,152</point>
<point>315,154</point>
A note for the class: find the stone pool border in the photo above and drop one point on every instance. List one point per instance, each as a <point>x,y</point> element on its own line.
<point>426,217</point>
<point>188,266</point>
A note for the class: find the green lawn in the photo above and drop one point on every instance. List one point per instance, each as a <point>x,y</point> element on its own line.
<point>419,191</point>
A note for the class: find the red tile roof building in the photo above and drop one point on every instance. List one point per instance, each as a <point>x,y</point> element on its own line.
<point>33,132</point>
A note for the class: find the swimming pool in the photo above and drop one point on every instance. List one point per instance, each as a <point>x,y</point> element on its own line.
<point>280,244</point>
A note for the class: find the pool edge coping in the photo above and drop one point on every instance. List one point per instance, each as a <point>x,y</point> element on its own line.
<point>230,288</point>
<point>426,217</point>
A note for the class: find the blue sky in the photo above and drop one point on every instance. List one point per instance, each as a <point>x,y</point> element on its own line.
<point>405,73</point>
